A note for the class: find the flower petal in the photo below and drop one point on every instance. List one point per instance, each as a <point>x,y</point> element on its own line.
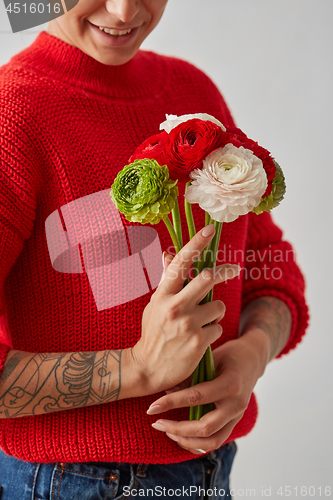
<point>173,121</point>
<point>230,183</point>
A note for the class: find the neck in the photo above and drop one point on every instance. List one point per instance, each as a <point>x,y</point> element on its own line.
<point>69,65</point>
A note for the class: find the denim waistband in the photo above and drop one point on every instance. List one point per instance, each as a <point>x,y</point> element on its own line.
<point>192,479</point>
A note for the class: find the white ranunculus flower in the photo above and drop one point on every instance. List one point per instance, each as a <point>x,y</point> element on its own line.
<point>173,120</point>
<point>230,183</point>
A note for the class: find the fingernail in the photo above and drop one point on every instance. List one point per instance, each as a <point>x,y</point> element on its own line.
<point>208,230</point>
<point>159,426</point>
<point>154,409</point>
<point>163,258</point>
<point>173,437</point>
<point>201,451</point>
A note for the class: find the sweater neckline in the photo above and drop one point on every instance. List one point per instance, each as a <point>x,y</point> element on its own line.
<point>141,76</point>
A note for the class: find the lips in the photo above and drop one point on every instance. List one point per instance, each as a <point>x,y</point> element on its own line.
<point>119,39</point>
<point>114,31</point>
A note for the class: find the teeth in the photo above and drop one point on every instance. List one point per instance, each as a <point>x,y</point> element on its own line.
<point>115,32</point>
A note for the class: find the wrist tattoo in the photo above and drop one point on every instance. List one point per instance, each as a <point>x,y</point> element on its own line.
<point>272,316</point>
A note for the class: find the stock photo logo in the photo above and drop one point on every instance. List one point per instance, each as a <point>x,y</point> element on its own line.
<point>88,236</point>
<point>27,14</point>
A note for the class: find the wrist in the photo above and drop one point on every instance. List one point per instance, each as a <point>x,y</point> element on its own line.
<point>273,320</point>
<point>257,340</point>
<point>135,381</point>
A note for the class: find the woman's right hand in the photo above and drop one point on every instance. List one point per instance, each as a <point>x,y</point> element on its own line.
<point>174,336</point>
<point>174,339</point>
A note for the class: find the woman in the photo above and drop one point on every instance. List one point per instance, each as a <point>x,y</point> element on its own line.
<point>94,399</point>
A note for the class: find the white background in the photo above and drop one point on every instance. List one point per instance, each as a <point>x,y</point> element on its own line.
<point>272,60</point>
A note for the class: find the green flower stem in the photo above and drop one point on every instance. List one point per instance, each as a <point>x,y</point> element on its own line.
<point>191,227</point>
<point>173,234</point>
<point>209,375</point>
<point>205,371</point>
<point>203,255</point>
<point>189,215</point>
<point>195,379</point>
<point>209,364</point>
<point>211,252</point>
<point>208,219</point>
<point>209,261</point>
<point>176,223</point>
<point>205,300</point>
<point>216,240</point>
<point>199,409</point>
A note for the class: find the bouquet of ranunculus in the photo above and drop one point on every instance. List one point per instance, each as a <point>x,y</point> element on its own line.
<point>225,172</point>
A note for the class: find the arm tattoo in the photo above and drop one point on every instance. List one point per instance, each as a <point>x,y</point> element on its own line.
<point>271,315</point>
<point>48,382</point>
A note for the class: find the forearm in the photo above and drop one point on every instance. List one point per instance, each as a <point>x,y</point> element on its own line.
<point>32,384</point>
<point>270,320</point>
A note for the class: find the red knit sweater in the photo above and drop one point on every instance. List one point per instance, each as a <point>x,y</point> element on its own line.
<point>68,124</point>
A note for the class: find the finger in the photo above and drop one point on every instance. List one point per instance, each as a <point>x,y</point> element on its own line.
<point>209,312</point>
<point>206,426</point>
<point>199,286</point>
<point>199,394</point>
<point>210,334</point>
<point>179,268</point>
<point>202,443</point>
<point>196,451</point>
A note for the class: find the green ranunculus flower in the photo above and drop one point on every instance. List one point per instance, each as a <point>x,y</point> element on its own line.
<point>143,192</point>
<point>277,194</point>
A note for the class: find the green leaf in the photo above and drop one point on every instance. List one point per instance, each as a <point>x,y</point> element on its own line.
<point>278,191</point>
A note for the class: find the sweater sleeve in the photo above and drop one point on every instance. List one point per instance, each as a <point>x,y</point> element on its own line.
<point>18,188</point>
<point>271,270</point>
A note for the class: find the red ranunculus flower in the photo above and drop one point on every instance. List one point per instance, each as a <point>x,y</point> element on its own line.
<point>236,137</point>
<point>151,148</point>
<point>188,144</point>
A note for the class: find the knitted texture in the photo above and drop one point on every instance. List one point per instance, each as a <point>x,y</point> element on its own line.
<point>68,124</point>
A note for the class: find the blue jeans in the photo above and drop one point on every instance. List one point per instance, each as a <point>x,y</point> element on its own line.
<point>200,478</point>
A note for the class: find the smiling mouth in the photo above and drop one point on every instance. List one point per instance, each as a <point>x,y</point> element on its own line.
<point>114,32</point>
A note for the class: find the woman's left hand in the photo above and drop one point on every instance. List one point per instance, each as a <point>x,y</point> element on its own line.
<point>238,365</point>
